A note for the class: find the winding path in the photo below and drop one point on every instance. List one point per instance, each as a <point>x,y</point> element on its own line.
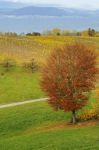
<point>22,103</point>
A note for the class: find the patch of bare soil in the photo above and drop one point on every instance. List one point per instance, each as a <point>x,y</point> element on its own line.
<point>67,125</point>
<point>84,124</point>
<point>59,126</point>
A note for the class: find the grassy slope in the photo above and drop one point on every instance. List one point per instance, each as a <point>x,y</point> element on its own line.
<point>34,126</point>
<point>38,127</point>
<point>19,85</point>
<point>24,48</point>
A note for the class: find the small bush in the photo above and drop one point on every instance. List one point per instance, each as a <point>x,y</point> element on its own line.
<point>31,66</point>
<point>8,64</point>
<point>90,114</point>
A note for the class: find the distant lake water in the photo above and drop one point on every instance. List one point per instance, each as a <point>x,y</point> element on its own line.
<point>39,23</point>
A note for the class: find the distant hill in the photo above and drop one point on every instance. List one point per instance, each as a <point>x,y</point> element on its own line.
<point>49,11</point>
<point>19,18</point>
<point>38,11</point>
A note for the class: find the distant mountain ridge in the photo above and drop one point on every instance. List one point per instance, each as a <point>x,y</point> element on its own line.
<point>35,10</point>
<point>49,11</point>
<point>23,18</point>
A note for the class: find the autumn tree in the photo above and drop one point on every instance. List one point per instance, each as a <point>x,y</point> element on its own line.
<point>56,31</point>
<point>91,32</point>
<point>68,77</point>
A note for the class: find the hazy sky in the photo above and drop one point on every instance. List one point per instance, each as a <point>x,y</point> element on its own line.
<point>87,4</point>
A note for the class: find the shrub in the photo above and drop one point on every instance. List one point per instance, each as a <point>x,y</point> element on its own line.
<point>8,64</point>
<point>90,114</point>
<point>31,66</point>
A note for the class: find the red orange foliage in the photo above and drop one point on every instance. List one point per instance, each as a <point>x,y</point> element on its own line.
<point>69,75</point>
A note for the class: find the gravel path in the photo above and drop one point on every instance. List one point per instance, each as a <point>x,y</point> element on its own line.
<point>22,103</point>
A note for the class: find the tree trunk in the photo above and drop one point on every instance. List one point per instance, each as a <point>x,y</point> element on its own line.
<point>74,117</point>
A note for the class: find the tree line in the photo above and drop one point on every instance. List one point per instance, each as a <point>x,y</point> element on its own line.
<point>56,32</point>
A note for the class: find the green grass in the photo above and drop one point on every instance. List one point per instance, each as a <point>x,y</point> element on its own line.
<point>38,127</point>
<point>19,85</point>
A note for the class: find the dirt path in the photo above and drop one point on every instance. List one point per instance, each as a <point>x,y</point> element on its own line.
<point>22,103</point>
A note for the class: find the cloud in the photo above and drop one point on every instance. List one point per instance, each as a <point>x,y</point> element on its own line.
<point>87,4</point>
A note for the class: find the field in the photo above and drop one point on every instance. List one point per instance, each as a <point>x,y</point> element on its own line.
<point>22,49</point>
<point>19,85</point>
<point>36,126</point>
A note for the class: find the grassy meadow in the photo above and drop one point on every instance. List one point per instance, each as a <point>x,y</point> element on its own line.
<point>19,85</point>
<point>36,126</point>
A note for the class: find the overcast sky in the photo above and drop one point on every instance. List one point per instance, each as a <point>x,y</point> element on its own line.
<point>87,4</point>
